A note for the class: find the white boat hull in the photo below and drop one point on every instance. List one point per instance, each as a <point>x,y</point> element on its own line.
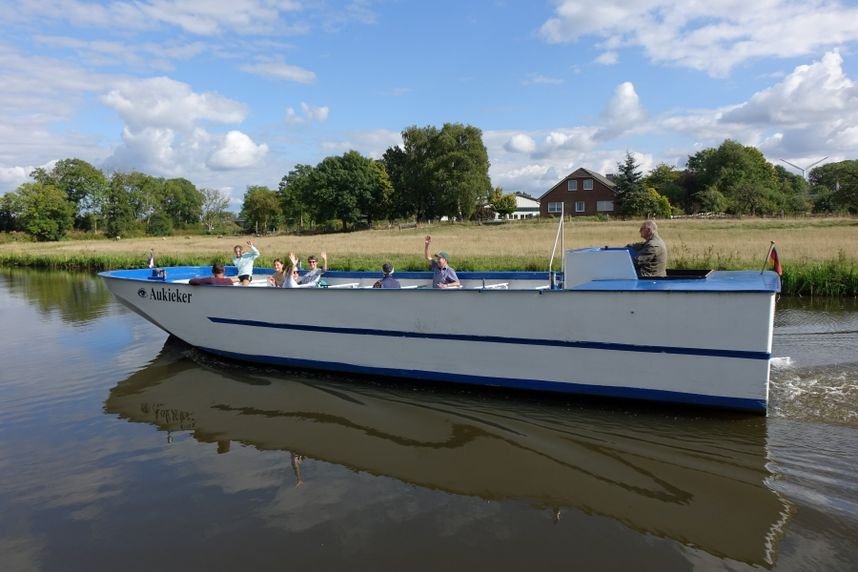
<point>703,347</point>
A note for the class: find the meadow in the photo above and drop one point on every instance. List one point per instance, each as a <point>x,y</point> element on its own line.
<point>819,255</point>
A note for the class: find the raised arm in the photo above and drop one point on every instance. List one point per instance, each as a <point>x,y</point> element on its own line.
<point>426,243</point>
<point>324,256</point>
<point>253,248</point>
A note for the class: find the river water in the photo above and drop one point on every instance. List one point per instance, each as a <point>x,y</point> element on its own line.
<point>121,449</point>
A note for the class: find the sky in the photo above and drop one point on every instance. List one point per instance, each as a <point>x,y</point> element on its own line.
<point>232,93</point>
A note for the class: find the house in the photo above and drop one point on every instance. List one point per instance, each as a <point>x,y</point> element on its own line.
<point>525,207</point>
<point>581,193</point>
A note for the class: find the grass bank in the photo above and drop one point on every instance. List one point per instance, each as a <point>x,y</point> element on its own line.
<point>820,256</point>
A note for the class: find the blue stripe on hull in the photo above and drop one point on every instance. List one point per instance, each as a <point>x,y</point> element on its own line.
<point>501,340</point>
<point>752,405</point>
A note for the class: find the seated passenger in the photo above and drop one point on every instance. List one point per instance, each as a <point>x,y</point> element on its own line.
<point>387,281</point>
<point>649,256</point>
<point>217,278</point>
<point>279,275</point>
<point>292,276</point>
<point>314,275</point>
<point>443,275</point>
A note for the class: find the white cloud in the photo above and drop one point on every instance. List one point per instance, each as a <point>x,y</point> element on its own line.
<point>309,114</point>
<point>200,17</point>
<point>536,78</point>
<point>281,71</point>
<point>608,58</point>
<point>712,36</point>
<point>13,177</point>
<point>145,56</point>
<point>237,151</point>
<point>163,102</point>
<point>810,94</point>
<point>520,143</point>
<point>623,112</point>
<point>371,144</point>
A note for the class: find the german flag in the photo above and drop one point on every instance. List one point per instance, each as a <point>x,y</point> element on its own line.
<point>775,261</point>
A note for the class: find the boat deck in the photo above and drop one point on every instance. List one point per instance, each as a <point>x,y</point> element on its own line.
<point>721,281</point>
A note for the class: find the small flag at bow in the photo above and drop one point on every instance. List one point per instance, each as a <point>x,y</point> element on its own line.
<point>776,262</point>
<point>773,260</point>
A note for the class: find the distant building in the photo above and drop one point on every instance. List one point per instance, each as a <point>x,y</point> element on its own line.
<point>525,207</point>
<point>581,193</point>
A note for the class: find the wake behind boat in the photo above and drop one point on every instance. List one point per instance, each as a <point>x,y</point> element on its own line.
<point>702,339</point>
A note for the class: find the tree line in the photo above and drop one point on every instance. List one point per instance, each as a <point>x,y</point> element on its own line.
<point>435,173</point>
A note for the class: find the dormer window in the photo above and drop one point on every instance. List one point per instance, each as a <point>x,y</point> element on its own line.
<point>588,184</point>
<point>572,185</point>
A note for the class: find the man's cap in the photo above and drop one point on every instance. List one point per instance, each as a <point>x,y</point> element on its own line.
<point>386,268</point>
<point>442,254</point>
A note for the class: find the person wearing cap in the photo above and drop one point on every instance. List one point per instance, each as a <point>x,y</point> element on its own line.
<point>314,275</point>
<point>387,281</point>
<point>443,274</point>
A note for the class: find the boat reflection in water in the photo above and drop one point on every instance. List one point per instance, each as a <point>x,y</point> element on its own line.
<point>701,481</point>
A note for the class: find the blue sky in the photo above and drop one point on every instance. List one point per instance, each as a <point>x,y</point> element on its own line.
<point>231,93</point>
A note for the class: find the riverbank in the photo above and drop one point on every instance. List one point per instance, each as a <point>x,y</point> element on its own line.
<point>819,255</point>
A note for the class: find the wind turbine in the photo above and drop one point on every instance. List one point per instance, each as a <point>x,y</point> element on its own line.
<point>804,170</point>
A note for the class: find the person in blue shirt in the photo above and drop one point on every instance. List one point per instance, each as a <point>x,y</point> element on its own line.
<point>443,274</point>
<point>387,281</point>
<point>243,262</point>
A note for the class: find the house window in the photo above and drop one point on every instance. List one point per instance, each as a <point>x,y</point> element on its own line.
<point>555,208</point>
<point>571,185</point>
<point>579,206</point>
<point>605,206</point>
<point>588,184</point>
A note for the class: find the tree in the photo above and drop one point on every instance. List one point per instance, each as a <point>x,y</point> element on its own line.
<point>261,209</point>
<point>294,192</point>
<point>631,196</point>
<point>460,170</point>
<point>667,181</point>
<point>711,201</point>
<point>741,174</point>
<point>144,194</point>
<point>83,185</point>
<point>181,201</point>
<point>396,166</point>
<point>439,172</point>
<point>503,204</point>
<point>413,183</point>
<point>160,224</point>
<point>350,188</point>
<point>793,192</point>
<point>43,211</point>
<point>8,212</point>
<point>116,209</point>
<point>213,208</point>
<point>841,181</point>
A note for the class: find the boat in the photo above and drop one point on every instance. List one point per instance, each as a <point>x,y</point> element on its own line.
<point>595,328</point>
<point>702,481</point>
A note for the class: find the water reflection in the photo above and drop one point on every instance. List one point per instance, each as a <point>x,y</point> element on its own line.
<point>701,481</point>
<point>75,296</point>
